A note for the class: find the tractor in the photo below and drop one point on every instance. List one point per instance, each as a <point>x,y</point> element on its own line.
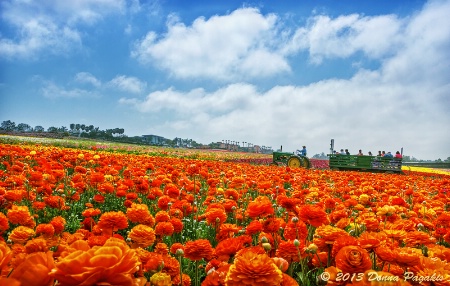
<point>292,160</point>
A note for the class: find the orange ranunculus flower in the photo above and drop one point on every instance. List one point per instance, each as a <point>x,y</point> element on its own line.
<point>288,281</point>
<point>111,264</point>
<point>311,214</point>
<point>162,216</point>
<point>417,238</point>
<point>229,247</point>
<point>34,270</point>
<point>186,280</point>
<point>4,225</point>
<point>18,214</point>
<point>58,223</point>
<point>288,251</point>
<point>21,234</point>
<point>36,245</point>
<point>5,256</point>
<point>254,227</point>
<point>251,268</point>
<point>90,212</point>
<point>164,228</point>
<point>142,235</point>
<point>216,216</point>
<point>9,282</point>
<point>407,256</point>
<point>353,259</point>
<point>198,249</point>
<point>295,230</point>
<point>139,213</point>
<point>112,221</point>
<point>260,207</point>
<point>45,229</point>
<point>330,233</point>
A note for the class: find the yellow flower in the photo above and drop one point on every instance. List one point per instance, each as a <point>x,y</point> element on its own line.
<point>160,279</point>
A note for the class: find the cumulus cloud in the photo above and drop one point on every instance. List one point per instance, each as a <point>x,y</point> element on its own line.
<point>85,77</point>
<point>230,47</point>
<point>343,36</point>
<point>48,26</point>
<point>404,103</point>
<point>128,84</point>
<point>53,91</point>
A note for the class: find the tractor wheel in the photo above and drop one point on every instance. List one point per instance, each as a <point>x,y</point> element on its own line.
<point>294,162</point>
<point>305,162</point>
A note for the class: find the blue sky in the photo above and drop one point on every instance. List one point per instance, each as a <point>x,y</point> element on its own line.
<point>373,75</point>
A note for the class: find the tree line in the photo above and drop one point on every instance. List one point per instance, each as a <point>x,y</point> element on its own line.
<point>75,129</point>
<point>90,131</point>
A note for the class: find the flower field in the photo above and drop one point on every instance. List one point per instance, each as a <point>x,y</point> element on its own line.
<point>93,215</point>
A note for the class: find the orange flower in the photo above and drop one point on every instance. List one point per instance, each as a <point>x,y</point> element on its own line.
<point>288,251</point>
<point>164,228</point>
<point>34,270</point>
<point>90,212</point>
<point>111,264</point>
<point>407,256</point>
<point>139,213</point>
<point>18,214</point>
<point>186,280</point>
<point>112,221</point>
<point>175,247</point>
<point>417,238</point>
<point>36,245</point>
<point>353,259</point>
<point>254,227</point>
<point>162,216</point>
<point>142,235</point>
<point>58,223</point>
<point>177,224</point>
<point>198,249</point>
<point>288,281</point>
<point>251,268</point>
<point>55,202</point>
<point>5,255</point>
<point>330,233</point>
<point>216,216</point>
<point>46,229</point>
<point>4,225</point>
<point>21,234</point>
<point>229,247</point>
<point>260,207</point>
<point>162,248</point>
<point>295,230</point>
<point>311,214</point>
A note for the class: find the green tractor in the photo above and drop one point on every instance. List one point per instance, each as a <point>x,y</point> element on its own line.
<point>292,160</point>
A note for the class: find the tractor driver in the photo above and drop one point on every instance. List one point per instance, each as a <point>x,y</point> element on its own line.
<point>303,151</point>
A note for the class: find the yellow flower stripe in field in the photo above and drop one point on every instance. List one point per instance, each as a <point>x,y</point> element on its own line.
<point>426,170</point>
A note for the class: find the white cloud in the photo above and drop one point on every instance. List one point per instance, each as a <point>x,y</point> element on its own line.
<point>49,26</point>
<point>53,91</point>
<point>230,47</point>
<point>85,77</point>
<point>376,36</point>
<point>128,84</point>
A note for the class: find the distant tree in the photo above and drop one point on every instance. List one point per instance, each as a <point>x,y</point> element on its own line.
<point>72,126</point>
<point>39,129</point>
<point>23,127</point>
<point>62,129</point>
<point>8,125</point>
<point>52,129</point>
